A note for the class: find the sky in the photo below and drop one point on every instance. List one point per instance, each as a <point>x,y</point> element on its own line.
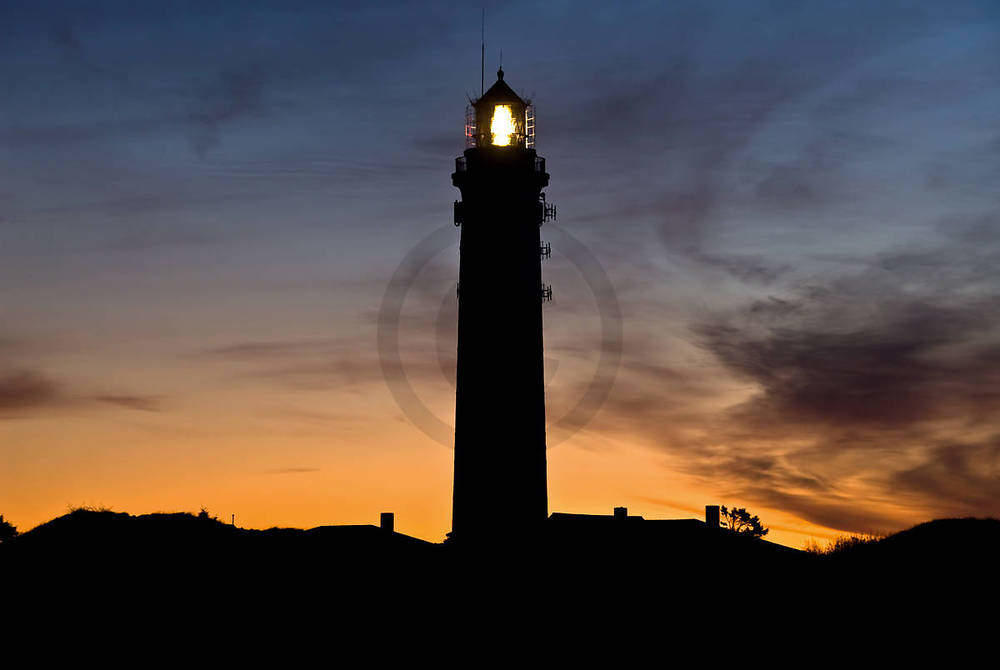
<point>202,205</point>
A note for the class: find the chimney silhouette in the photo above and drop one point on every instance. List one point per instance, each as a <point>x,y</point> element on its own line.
<point>621,513</point>
<point>712,516</point>
<point>387,521</point>
<point>500,469</point>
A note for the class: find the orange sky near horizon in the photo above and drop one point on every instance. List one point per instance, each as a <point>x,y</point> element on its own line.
<point>149,464</point>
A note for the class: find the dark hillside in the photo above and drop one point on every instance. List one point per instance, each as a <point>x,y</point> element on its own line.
<point>176,558</point>
<point>953,544</point>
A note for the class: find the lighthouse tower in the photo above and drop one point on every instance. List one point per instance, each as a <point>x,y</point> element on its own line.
<point>500,477</point>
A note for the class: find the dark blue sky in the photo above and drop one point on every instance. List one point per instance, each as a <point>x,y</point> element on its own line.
<point>202,204</point>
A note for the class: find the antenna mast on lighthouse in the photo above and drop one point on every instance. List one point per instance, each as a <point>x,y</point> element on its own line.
<point>482,56</point>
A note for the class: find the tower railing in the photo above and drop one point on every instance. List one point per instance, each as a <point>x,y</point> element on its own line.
<point>529,126</point>
<point>486,140</point>
<point>470,127</point>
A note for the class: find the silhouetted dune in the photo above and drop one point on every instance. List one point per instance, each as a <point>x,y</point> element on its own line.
<point>117,553</point>
<point>953,543</point>
<point>580,561</point>
<point>100,531</point>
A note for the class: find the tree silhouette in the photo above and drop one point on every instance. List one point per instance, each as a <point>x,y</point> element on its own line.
<point>740,521</point>
<point>7,529</point>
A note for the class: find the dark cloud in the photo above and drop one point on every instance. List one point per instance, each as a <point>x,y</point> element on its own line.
<point>891,370</point>
<point>869,396</point>
<point>266,350</point>
<point>136,402</point>
<point>234,94</point>
<point>786,185</point>
<point>959,479</point>
<point>839,512</point>
<point>859,379</point>
<point>64,36</point>
<point>319,364</point>
<point>27,390</point>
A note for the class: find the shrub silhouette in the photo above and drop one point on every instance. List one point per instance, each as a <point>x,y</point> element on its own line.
<point>7,529</point>
<point>741,522</point>
<point>843,544</point>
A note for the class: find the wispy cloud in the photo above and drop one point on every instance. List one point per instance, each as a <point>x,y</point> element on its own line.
<point>29,388</point>
<point>25,390</point>
<point>869,393</point>
<point>137,402</point>
<point>234,94</point>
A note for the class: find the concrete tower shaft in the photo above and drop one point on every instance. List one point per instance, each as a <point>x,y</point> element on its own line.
<point>500,465</point>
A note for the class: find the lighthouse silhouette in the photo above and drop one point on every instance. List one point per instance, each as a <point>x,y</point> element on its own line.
<point>500,469</point>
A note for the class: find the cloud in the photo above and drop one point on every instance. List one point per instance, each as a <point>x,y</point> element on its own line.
<point>871,378</point>
<point>895,368</point>
<point>234,94</point>
<point>252,351</point>
<point>304,364</point>
<point>960,479</point>
<point>26,391</point>
<point>137,402</point>
<point>64,36</point>
<point>861,399</point>
<point>23,390</point>
<point>831,511</point>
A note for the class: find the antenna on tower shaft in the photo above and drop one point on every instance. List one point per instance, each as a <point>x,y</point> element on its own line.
<point>482,57</point>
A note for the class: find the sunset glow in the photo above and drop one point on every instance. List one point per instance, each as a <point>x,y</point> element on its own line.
<point>203,210</point>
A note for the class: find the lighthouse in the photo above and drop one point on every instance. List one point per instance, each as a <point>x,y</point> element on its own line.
<point>500,469</point>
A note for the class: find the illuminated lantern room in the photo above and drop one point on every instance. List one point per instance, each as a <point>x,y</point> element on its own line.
<point>500,118</point>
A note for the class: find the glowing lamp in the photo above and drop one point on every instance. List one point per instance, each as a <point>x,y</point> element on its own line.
<point>502,127</point>
<point>500,118</point>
